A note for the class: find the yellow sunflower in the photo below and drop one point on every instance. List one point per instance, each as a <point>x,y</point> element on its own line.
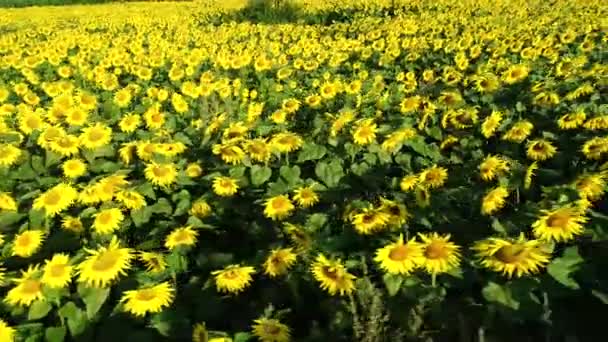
<point>225,186</point>
<point>66,145</point>
<point>96,136</point>
<point>161,174</point>
<point>370,220</point>
<point>530,174</point>
<point>270,330</point>
<point>193,170</point>
<point>27,243</point>
<point>305,197</point>
<point>72,224</point>
<point>107,220</point>
<point>515,74</point>
<point>230,152</point>
<point>278,207</point>
<point>439,254</point>
<point>233,278</point>
<point>364,132</point>
<point>490,124</point>
<point>131,199</point>
<point>595,148</point>
<point>56,199</point>
<point>561,225</point>
<point>105,264</point>
<point>28,288</point>
<point>399,257</point>
<point>433,177</point>
<point>286,142</point>
<point>571,120</point>
<point>149,299</point>
<point>512,256</point>
<point>397,213</point>
<point>57,271</point>
<point>519,131</point>
<point>592,186</point>
<point>333,276</point>
<point>409,182</point>
<point>74,168</point>
<point>299,237</point>
<point>258,150</point>
<point>279,261</point>
<point>540,149</point>
<point>7,202</point>
<point>9,155</point>
<point>154,262</point>
<point>492,167</point>
<point>184,236</point>
<point>200,209</point>
<point>7,333</point>
<point>494,200</point>
<point>129,123</point>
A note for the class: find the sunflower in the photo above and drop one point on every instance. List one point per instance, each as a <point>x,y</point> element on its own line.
<point>74,168</point>
<point>258,150</point>
<point>439,254</point>
<point>56,199</point>
<point>230,152</point>
<point>494,200</point>
<point>519,131</point>
<point>225,186</point>
<point>7,333</point>
<point>278,207</point>
<point>235,130</point>
<point>529,174</point>
<point>279,261</point>
<point>286,142</point>
<point>184,236</point>
<point>199,333</point>
<point>200,209</point>
<point>28,288</point>
<point>7,202</point>
<point>561,225</point>
<point>30,122</point>
<point>233,278</point>
<point>305,197</point>
<point>107,220</point>
<point>571,120</point>
<point>540,149</point>
<point>105,264</point>
<point>397,213</point>
<point>154,118</point>
<point>154,262</point>
<point>9,155</point>
<point>57,271</point>
<point>148,299</point>
<point>27,243</point>
<point>591,186</point>
<point>66,145</point>
<point>131,199</point>
<point>76,116</point>
<point>399,257</point>
<point>364,132</point>
<point>129,123</point>
<point>423,197</point>
<point>342,120</point>
<point>595,148</point>
<point>161,174</point>
<point>511,256</point>
<point>72,224</point>
<point>96,136</point>
<point>270,330</point>
<point>299,237</point>
<point>515,74</point>
<point>193,170</point>
<point>370,220</point>
<point>433,177</point>
<point>492,167</point>
<point>333,276</point>
<point>409,182</point>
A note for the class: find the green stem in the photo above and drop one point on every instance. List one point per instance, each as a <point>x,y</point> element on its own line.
<point>433,280</point>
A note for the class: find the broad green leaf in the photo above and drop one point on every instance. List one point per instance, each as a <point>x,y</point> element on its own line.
<point>392,283</point>
<point>561,268</point>
<point>38,165</point>
<point>162,206</point>
<point>311,151</point>
<point>237,172</point>
<point>177,262</point>
<point>55,334</point>
<point>93,298</point>
<point>260,174</point>
<point>500,294</point>
<point>8,218</point>
<point>51,159</point>
<point>38,310</point>
<point>36,218</point>
<point>290,174</point>
<point>76,318</point>
<point>330,173</point>
<point>141,216</point>
<point>316,221</point>
<point>423,148</point>
<point>242,337</point>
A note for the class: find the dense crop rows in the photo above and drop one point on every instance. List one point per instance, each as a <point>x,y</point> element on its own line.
<point>403,170</point>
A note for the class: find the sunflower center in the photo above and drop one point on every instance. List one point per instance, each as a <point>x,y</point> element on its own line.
<point>57,270</point>
<point>145,295</point>
<point>64,142</point>
<point>436,250</point>
<point>231,274</point>
<point>52,198</point>
<point>105,261</point>
<point>104,218</point>
<point>538,147</point>
<point>160,171</point>
<point>367,218</point>
<point>233,134</point>
<point>399,253</point>
<point>279,204</point>
<point>394,210</point>
<point>330,272</point>
<point>32,123</point>
<point>286,141</point>
<point>149,148</point>
<point>271,329</point>
<point>95,135</point>
<point>30,286</point>
<point>24,240</point>
<point>510,254</point>
<point>181,236</point>
<point>558,220</point>
<point>364,131</point>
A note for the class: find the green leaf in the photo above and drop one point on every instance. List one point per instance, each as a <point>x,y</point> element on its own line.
<point>38,165</point>
<point>600,295</point>
<point>311,151</point>
<point>51,159</point>
<point>141,216</point>
<point>36,218</point>
<point>290,174</point>
<point>10,217</point>
<point>316,221</point>
<point>237,172</point>
<point>55,334</point>
<point>38,310</point>
<point>242,337</point>
<point>260,174</point>
<point>93,298</point>
<point>499,294</point>
<point>177,263</point>
<point>392,283</point>
<point>561,268</point>
<point>430,151</point>
<point>330,173</point>
<point>76,318</point>
<point>163,206</point>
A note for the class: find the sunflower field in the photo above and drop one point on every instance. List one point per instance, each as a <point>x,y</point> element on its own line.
<point>306,170</point>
